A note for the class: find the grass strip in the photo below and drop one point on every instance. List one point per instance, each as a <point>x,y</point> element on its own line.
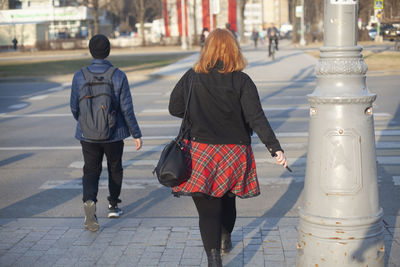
<point>380,61</point>
<point>66,66</point>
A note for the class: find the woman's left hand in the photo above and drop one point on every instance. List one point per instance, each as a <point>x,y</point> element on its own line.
<point>281,158</point>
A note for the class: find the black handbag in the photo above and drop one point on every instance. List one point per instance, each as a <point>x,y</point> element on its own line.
<point>171,167</point>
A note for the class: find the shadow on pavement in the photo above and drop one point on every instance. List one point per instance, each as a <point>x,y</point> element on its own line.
<point>287,201</point>
<point>388,200</point>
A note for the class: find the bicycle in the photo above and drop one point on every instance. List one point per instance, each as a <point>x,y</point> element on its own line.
<point>273,48</point>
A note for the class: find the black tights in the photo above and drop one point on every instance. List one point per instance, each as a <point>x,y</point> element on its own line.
<point>215,213</point>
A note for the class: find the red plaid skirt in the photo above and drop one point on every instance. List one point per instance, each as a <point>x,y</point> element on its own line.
<point>215,170</point>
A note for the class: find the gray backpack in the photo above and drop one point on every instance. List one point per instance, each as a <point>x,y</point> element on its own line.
<point>97,111</point>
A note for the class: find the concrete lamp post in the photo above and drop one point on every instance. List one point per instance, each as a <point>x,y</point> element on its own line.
<point>340,218</point>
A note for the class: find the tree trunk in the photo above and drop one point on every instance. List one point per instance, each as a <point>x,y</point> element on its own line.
<point>95,4</point>
<point>195,37</point>
<point>294,22</point>
<point>242,6</point>
<point>141,21</point>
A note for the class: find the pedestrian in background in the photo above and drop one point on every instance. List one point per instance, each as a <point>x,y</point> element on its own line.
<point>254,37</point>
<point>228,27</point>
<point>203,36</point>
<point>224,110</point>
<point>125,125</point>
<point>15,42</point>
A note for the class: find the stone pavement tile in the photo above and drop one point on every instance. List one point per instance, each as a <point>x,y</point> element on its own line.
<point>192,252</point>
<point>252,248</point>
<point>190,261</point>
<point>271,251</point>
<point>46,261</point>
<point>269,232</point>
<point>34,253</point>
<point>40,247</point>
<point>395,253</point>
<point>135,250</point>
<point>253,260</point>
<point>18,249</point>
<point>86,238</point>
<point>127,260</point>
<point>288,231</point>
<point>289,244</point>
<point>252,241</point>
<point>194,243</point>
<point>151,248</point>
<point>173,245</point>
<point>168,264</point>
<point>46,242</point>
<point>123,238</point>
<point>3,251</point>
<point>276,264</point>
<point>34,236</point>
<point>26,261</point>
<point>272,242</point>
<point>288,221</point>
<point>149,262</point>
<point>274,257</point>
<point>171,255</point>
<point>9,258</point>
<point>64,242</point>
<point>112,254</point>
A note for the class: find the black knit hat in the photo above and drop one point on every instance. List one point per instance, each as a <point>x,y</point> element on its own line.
<point>99,46</point>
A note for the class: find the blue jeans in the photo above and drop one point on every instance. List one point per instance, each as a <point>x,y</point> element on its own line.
<point>93,156</point>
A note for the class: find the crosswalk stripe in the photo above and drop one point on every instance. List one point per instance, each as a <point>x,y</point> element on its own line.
<point>143,183</point>
<point>158,148</point>
<point>295,161</point>
<point>128,183</point>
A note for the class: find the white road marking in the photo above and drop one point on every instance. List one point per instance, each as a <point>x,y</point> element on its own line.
<point>38,97</point>
<point>143,183</point>
<point>33,115</point>
<point>59,88</point>
<point>396,180</point>
<point>159,148</point>
<point>296,161</point>
<point>18,106</point>
<point>165,111</point>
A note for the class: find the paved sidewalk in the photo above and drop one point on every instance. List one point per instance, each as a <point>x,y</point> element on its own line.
<point>176,241</point>
<point>155,242</point>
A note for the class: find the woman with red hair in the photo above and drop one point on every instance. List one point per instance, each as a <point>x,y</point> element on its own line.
<point>223,111</point>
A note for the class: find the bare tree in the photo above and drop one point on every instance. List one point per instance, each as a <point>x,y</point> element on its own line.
<point>195,22</point>
<point>242,6</point>
<point>293,4</point>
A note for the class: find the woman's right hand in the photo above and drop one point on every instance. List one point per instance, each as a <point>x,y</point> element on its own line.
<point>281,158</point>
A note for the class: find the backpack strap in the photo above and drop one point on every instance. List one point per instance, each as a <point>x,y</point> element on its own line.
<point>108,73</point>
<point>91,76</point>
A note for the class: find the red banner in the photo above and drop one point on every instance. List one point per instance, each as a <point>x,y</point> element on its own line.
<point>232,15</point>
<point>206,14</point>
<point>165,13</point>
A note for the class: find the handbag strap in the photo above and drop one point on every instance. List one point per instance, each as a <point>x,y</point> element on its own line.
<point>181,134</point>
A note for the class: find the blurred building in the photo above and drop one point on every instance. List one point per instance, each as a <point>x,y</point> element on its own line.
<point>199,14</point>
<point>43,23</point>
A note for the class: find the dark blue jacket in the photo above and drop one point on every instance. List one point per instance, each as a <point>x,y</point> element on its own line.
<point>126,121</point>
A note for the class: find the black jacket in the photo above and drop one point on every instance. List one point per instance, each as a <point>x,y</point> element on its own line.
<point>223,109</point>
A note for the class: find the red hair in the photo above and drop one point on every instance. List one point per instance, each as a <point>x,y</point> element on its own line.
<point>220,45</point>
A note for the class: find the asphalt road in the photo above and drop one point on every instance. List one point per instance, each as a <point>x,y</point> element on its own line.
<point>41,162</point>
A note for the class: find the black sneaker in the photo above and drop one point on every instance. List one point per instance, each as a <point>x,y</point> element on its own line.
<point>114,211</point>
<point>91,222</point>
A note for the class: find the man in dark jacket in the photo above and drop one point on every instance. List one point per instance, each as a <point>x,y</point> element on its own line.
<point>93,151</point>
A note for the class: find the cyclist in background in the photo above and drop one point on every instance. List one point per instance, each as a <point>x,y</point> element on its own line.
<point>273,35</point>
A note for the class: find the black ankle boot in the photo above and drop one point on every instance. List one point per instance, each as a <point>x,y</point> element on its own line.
<point>214,258</point>
<point>226,242</point>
